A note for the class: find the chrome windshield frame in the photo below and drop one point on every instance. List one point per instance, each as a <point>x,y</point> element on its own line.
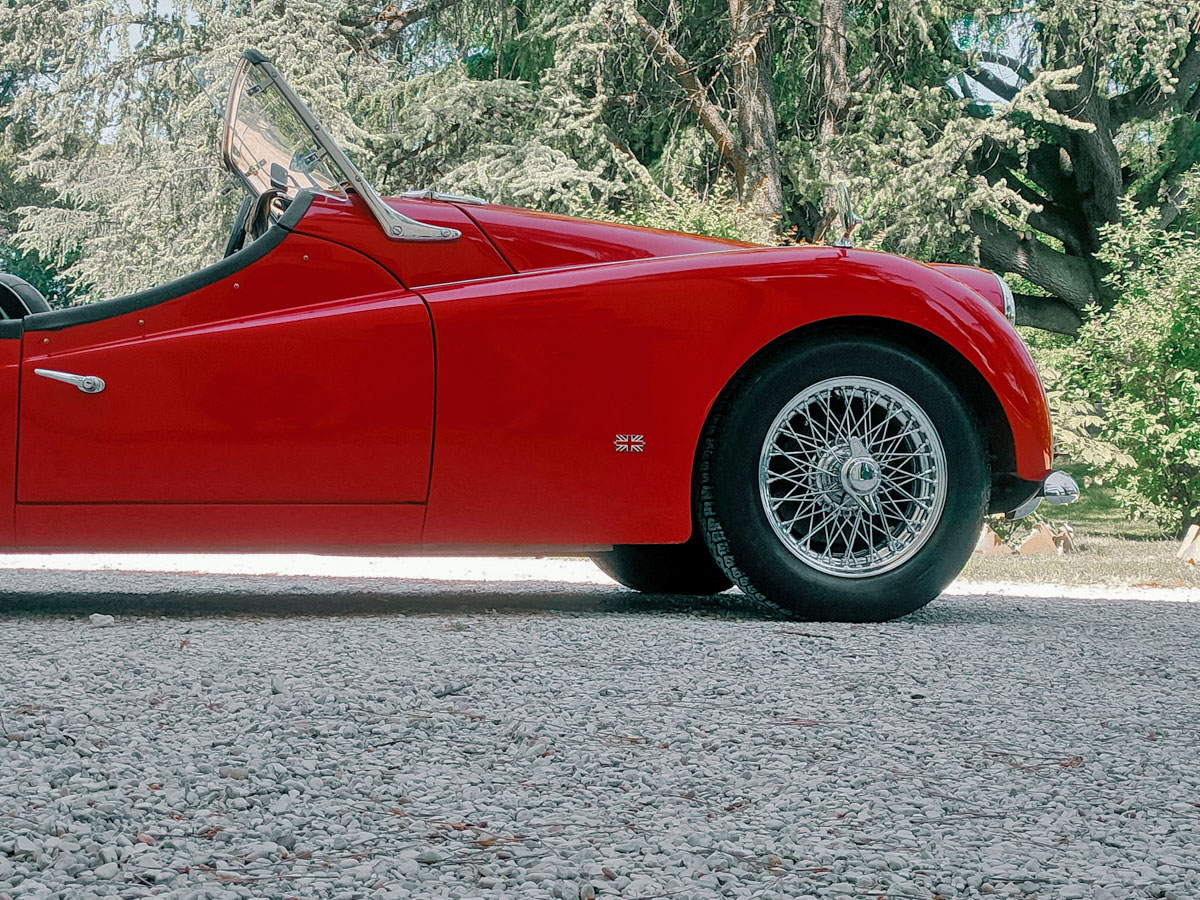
<point>395,225</point>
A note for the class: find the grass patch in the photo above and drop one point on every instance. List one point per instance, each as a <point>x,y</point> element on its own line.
<point>1100,560</point>
<point>1113,547</point>
<point>1098,514</point>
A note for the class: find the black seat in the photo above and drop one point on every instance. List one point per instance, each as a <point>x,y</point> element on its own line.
<point>19,298</point>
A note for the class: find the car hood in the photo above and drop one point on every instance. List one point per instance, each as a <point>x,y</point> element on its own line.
<point>531,240</point>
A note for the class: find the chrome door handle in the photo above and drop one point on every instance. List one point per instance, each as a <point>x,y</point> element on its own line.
<point>89,384</point>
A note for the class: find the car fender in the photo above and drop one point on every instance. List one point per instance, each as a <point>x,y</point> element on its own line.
<point>545,378</point>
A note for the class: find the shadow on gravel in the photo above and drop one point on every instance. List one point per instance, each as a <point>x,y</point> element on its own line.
<point>57,593</point>
<point>972,611</point>
<point>69,593</point>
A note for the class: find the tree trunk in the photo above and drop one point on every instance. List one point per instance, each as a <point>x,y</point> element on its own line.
<point>1077,177</point>
<point>835,96</point>
<point>759,179</point>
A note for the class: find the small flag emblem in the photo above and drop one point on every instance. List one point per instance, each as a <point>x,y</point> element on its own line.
<point>630,443</point>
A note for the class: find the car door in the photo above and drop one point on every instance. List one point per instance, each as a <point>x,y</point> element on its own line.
<point>302,375</point>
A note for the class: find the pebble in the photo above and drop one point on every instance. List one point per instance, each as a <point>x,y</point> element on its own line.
<point>604,747</point>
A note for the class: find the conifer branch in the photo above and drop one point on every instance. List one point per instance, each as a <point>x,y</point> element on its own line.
<point>393,20</point>
<point>1073,280</point>
<point>709,114</point>
<point>1150,99</point>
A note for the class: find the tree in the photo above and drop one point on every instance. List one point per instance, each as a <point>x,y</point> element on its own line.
<point>1006,135</point>
<point>1067,107</point>
<point>752,151</point>
<point>1084,158</point>
<point>17,192</point>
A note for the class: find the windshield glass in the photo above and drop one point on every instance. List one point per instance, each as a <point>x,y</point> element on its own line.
<point>273,143</point>
<point>267,144</point>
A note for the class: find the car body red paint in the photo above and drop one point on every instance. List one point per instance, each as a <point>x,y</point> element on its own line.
<point>10,390</point>
<point>559,361</point>
<point>981,281</point>
<point>234,412</point>
<point>532,240</point>
<point>332,389</point>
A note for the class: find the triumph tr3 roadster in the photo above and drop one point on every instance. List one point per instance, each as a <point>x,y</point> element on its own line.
<point>822,426</point>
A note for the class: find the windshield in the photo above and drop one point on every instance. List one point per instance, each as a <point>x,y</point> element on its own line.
<point>273,143</point>
<point>266,142</point>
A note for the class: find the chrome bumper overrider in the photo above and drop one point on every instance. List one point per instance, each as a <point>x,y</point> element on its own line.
<point>1058,488</point>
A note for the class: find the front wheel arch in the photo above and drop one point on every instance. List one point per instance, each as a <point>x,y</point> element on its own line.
<point>1008,491</point>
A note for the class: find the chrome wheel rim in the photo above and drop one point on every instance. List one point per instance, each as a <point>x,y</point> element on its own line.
<point>852,476</point>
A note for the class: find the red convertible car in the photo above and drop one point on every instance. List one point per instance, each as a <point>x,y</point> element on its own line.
<point>822,426</point>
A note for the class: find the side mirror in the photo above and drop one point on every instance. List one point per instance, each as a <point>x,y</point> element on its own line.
<point>850,219</point>
<point>279,177</point>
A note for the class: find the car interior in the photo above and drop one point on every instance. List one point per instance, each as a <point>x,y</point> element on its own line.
<point>19,298</point>
<point>272,143</point>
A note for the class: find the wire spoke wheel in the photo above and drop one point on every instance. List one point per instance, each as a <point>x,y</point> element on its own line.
<point>853,476</point>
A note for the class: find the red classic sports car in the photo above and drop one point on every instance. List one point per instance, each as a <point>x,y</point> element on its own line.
<point>822,426</point>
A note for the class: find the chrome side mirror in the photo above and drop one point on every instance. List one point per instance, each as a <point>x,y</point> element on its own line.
<point>850,219</point>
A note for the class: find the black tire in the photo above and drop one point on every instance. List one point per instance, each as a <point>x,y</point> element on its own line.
<point>665,568</point>
<point>733,517</point>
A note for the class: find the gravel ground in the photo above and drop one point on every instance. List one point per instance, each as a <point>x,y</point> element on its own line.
<point>465,729</point>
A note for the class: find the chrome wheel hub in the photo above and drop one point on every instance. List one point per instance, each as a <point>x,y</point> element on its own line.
<point>860,475</point>
<point>852,476</point>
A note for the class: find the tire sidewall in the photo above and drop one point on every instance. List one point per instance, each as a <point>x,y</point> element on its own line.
<point>764,562</point>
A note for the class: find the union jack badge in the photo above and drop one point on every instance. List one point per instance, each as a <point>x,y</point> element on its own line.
<point>630,443</point>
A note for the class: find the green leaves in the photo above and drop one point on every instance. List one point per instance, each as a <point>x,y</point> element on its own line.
<point>1131,382</point>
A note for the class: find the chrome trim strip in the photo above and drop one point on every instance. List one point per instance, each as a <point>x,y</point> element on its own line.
<point>1025,508</point>
<point>1058,488</point>
<point>431,194</point>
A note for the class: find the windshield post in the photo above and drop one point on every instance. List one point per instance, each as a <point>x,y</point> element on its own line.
<point>270,137</point>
